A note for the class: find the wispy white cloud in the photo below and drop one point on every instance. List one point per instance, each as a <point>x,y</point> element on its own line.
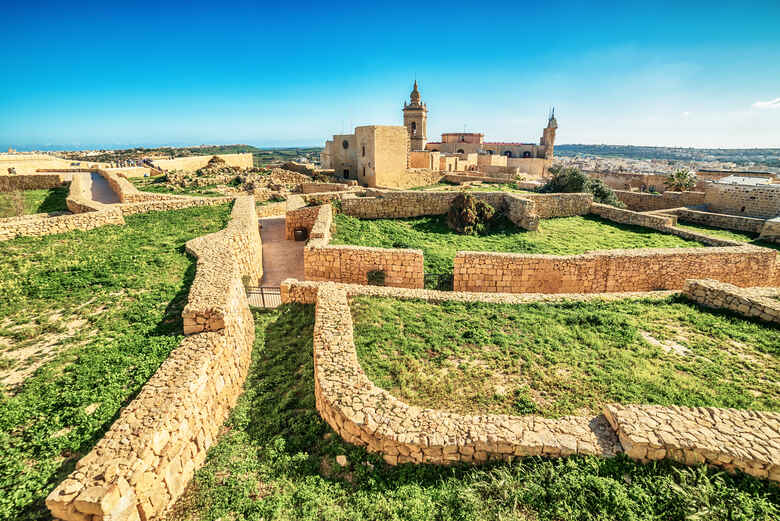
<point>772,104</point>
<point>686,115</point>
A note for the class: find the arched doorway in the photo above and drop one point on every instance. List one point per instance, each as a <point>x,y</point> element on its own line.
<point>508,153</point>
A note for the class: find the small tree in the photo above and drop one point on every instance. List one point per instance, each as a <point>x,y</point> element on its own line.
<point>681,181</point>
<point>469,216</point>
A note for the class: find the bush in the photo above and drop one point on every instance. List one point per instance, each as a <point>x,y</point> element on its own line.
<point>681,181</point>
<point>571,180</point>
<point>469,216</point>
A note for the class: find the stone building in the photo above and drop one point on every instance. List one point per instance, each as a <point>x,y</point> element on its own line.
<point>379,155</point>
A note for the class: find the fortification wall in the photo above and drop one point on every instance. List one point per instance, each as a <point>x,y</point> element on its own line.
<point>147,457</point>
<point>644,202</point>
<point>720,220</point>
<point>43,224</point>
<point>611,270</point>
<point>761,201</point>
<point>14,182</point>
<point>645,182</point>
<point>196,162</point>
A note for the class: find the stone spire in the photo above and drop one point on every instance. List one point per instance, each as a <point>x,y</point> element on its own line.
<point>552,122</point>
<point>415,96</point>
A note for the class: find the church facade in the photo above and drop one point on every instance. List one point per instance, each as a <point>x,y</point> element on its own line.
<point>385,155</point>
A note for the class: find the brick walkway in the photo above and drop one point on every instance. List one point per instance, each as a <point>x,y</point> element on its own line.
<point>282,259</point>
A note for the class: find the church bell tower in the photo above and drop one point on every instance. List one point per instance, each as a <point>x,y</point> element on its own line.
<point>548,135</point>
<point>416,120</point>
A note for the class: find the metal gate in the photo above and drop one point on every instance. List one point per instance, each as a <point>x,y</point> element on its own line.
<point>264,297</point>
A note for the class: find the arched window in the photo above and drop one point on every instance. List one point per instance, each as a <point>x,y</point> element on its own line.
<point>345,144</point>
<point>364,150</point>
<point>508,153</point>
<point>460,151</point>
<point>364,171</point>
<point>526,154</point>
<point>414,128</point>
<point>490,152</point>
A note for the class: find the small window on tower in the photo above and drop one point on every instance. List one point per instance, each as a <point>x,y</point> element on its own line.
<point>364,150</point>
<point>345,144</point>
<point>414,128</point>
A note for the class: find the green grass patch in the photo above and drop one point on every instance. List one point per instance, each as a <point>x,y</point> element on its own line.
<point>561,236</point>
<point>125,287</point>
<point>277,461</point>
<point>35,201</point>
<point>567,358</point>
<point>730,235</point>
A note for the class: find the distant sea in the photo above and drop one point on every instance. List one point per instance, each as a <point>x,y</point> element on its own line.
<point>103,146</point>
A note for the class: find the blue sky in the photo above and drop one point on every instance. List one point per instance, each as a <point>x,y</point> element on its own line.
<point>293,73</point>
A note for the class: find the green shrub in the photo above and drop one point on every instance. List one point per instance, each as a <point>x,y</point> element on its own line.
<point>572,180</point>
<point>469,216</point>
<point>681,181</point>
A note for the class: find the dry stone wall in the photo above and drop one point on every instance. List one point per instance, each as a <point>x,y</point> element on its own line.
<point>720,220</point>
<point>147,457</point>
<point>630,217</point>
<point>393,205</point>
<point>14,182</point>
<point>87,214</point>
<point>720,295</point>
<point>729,438</point>
<point>299,218</point>
<point>365,415</point>
<point>611,270</point>
<point>645,202</point>
<point>351,264</point>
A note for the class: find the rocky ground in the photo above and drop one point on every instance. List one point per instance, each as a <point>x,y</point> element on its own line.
<point>265,184</point>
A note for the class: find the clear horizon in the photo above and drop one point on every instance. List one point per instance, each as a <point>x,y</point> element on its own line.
<point>699,75</point>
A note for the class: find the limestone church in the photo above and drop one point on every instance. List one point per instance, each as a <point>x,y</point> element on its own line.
<point>394,156</point>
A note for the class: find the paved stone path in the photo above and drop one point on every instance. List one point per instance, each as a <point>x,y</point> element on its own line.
<point>282,259</point>
<point>101,190</point>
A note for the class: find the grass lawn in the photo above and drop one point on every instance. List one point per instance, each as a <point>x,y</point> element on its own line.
<point>35,201</point>
<point>561,236</point>
<point>86,318</point>
<point>568,358</point>
<point>277,461</point>
<point>730,235</point>
<point>157,185</point>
